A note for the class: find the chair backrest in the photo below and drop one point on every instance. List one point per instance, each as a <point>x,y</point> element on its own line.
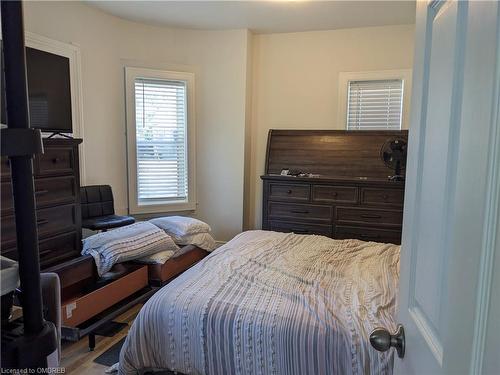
<point>96,200</point>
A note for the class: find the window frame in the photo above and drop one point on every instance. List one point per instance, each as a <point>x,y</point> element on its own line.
<point>345,77</point>
<point>131,74</point>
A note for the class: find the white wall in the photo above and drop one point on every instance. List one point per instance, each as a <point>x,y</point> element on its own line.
<point>295,83</point>
<point>218,58</point>
<point>245,85</point>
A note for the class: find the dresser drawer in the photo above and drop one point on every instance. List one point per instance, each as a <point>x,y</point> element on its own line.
<point>300,228</point>
<point>8,228</point>
<point>382,197</point>
<point>55,249</point>
<point>308,212</point>
<point>55,161</point>
<point>50,221</point>
<point>353,215</point>
<point>334,194</point>
<point>58,219</point>
<point>7,206</point>
<point>55,190</point>
<point>289,192</point>
<point>368,234</point>
<point>5,168</point>
<point>52,250</point>
<point>76,271</point>
<point>48,192</point>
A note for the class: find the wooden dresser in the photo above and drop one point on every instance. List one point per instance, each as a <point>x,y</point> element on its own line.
<point>87,302</point>
<point>57,191</point>
<point>351,197</point>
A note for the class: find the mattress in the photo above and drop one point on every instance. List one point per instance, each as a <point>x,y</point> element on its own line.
<point>271,303</point>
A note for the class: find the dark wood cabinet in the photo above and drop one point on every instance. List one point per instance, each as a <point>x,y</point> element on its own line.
<point>57,196</point>
<point>339,209</point>
<point>349,196</point>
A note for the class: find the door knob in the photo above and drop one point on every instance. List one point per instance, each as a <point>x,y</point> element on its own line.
<point>382,340</point>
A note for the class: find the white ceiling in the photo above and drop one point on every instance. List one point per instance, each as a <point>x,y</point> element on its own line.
<point>263,16</point>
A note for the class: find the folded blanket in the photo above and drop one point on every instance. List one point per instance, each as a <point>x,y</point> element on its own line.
<point>126,243</point>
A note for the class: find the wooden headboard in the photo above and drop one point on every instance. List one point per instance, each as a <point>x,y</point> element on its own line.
<point>329,152</point>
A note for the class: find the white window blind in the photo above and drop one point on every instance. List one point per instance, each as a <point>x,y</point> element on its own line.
<point>375,105</point>
<point>161,140</point>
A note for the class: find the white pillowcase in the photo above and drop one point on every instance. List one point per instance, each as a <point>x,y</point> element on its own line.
<point>203,240</point>
<point>181,225</point>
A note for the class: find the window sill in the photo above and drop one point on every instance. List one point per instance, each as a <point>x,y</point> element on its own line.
<point>163,208</point>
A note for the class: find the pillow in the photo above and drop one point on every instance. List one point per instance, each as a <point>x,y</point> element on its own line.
<point>158,258</point>
<point>162,256</point>
<point>180,225</point>
<point>126,243</point>
<point>203,240</point>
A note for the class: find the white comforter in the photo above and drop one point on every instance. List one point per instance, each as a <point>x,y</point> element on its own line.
<point>271,303</point>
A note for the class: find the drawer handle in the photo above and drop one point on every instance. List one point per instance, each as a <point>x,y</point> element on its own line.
<point>299,211</point>
<point>41,192</point>
<point>385,197</point>
<point>300,231</point>
<point>42,221</point>
<point>371,216</point>
<point>55,160</point>
<point>334,194</point>
<point>289,191</point>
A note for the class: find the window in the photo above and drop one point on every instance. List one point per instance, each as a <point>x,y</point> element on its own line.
<point>159,133</point>
<point>375,105</point>
<point>374,100</point>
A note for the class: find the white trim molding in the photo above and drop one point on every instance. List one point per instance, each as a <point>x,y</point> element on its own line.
<point>131,73</point>
<point>345,77</point>
<point>491,234</point>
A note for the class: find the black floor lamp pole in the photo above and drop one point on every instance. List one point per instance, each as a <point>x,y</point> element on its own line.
<point>36,346</point>
<point>22,166</point>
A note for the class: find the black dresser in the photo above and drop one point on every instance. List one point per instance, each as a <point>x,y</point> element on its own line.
<point>352,196</point>
<point>57,194</point>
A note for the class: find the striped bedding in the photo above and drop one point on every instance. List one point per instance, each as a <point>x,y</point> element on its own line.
<point>130,242</point>
<point>271,303</point>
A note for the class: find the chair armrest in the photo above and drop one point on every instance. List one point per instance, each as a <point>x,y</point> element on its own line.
<point>51,296</point>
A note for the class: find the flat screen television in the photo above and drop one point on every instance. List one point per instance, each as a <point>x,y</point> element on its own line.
<point>49,92</point>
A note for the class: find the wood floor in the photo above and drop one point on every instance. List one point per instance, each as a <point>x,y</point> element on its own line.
<point>77,359</point>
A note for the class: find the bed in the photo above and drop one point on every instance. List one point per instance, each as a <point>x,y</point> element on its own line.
<point>148,242</point>
<point>271,303</point>
<point>159,274</point>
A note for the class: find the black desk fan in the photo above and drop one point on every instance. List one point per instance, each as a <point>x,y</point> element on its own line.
<point>393,154</point>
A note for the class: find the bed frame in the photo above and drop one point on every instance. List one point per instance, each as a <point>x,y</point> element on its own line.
<point>88,303</point>
<point>188,256</point>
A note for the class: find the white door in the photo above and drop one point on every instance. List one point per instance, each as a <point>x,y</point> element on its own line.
<point>451,203</point>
